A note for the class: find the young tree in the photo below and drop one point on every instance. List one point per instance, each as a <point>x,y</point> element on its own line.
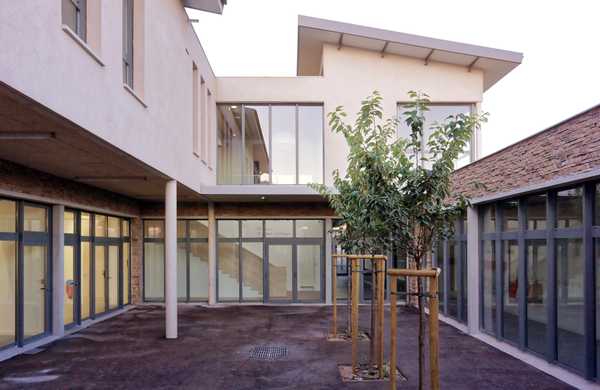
<point>397,190</point>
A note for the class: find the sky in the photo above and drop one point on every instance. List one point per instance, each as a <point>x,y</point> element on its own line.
<point>559,76</point>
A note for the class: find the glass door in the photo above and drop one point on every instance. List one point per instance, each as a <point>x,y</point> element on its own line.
<point>280,272</point>
<point>70,284</point>
<point>113,277</point>
<point>99,279</point>
<point>309,274</point>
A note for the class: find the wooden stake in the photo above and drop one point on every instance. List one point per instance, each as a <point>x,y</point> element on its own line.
<point>393,330</point>
<point>355,298</point>
<point>434,332</point>
<point>380,318</point>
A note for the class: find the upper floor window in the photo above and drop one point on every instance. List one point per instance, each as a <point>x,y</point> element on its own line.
<point>438,113</point>
<point>74,14</point>
<point>128,42</point>
<point>270,144</point>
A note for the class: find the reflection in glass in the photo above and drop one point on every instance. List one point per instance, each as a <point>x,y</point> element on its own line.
<point>569,208</point>
<point>511,290</point>
<point>310,144</point>
<point>154,270</point>
<point>182,271</point>
<point>198,228</point>
<point>489,286</point>
<point>125,228</point>
<point>229,144</point>
<point>70,286</point>
<point>114,227</point>
<point>536,212</point>
<point>85,284</point>
<point>252,229</point>
<point>34,289</point>
<point>100,279</point>
<point>198,271</point>
<point>283,144</point>
<point>8,216</point>
<point>280,272</point>
<point>69,222</point>
<point>536,295</point>
<point>154,229</point>
<point>252,271</point>
<point>570,310</point>
<point>256,137</point>
<point>85,224</point>
<point>489,218</point>
<point>453,280</point>
<point>228,271</point>
<point>510,215</point>
<point>279,228</point>
<point>312,228</point>
<point>126,268</point>
<point>228,228</point>
<point>7,291</point>
<point>113,276</point>
<point>309,272</point>
<point>100,225</point>
<point>181,228</point>
<point>35,219</point>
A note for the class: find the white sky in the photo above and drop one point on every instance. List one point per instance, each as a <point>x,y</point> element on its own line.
<point>560,40</point>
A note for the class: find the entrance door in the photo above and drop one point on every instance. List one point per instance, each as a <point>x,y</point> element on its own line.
<point>100,277</point>
<point>70,284</point>
<point>280,271</point>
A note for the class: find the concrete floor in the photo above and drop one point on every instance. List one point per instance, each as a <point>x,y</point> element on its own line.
<point>129,352</point>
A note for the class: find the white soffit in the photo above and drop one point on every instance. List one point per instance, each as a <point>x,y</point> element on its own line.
<point>314,32</point>
<point>214,6</point>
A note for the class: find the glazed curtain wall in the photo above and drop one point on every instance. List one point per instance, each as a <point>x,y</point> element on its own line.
<point>192,260</point>
<point>25,281</point>
<point>540,260</point>
<point>97,265</point>
<point>270,260</point>
<point>270,144</point>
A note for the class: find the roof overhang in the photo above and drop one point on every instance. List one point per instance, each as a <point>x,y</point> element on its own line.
<point>214,6</point>
<point>314,32</point>
<point>262,193</point>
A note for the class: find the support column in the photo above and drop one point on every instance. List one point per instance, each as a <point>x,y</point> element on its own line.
<point>212,255</point>
<point>328,261</point>
<point>473,271</point>
<point>58,270</point>
<point>171,259</point>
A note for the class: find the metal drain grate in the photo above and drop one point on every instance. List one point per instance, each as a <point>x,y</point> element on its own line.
<point>268,353</point>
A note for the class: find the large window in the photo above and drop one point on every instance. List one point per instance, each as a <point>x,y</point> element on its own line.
<point>270,144</point>
<point>128,42</point>
<point>270,260</point>
<point>24,262</point>
<point>547,247</point>
<point>437,113</point>
<point>74,15</point>
<point>192,260</point>
<point>96,265</point>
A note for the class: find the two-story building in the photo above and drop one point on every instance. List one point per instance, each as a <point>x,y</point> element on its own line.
<point>130,173</point>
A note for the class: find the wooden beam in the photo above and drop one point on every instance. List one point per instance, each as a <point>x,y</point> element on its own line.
<point>429,56</point>
<point>473,63</point>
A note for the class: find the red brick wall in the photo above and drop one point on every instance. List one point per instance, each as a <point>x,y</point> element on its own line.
<point>568,148</point>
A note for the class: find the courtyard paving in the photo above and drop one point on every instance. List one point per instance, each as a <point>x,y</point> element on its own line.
<point>213,352</point>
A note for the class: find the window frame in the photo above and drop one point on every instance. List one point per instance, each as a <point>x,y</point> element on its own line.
<point>128,44</point>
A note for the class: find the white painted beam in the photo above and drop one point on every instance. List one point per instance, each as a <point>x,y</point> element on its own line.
<point>58,270</point>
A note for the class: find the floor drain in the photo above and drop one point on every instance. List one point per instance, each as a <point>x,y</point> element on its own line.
<point>268,353</point>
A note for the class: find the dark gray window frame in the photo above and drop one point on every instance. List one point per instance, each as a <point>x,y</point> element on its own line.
<point>80,8</point>
<point>187,240</point>
<point>128,46</point>
<point>587,233</point>
<point>269,141</point>
<point>266,241</point>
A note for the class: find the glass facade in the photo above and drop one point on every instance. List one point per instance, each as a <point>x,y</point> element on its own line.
<point>192,260</point>
<point>549,273</point>
<point>270,260</point>
<point>96,265</point>
<point>270,144</point>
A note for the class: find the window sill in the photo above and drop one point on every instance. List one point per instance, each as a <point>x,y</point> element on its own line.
<point>83,44</point>
<point>135,95</point>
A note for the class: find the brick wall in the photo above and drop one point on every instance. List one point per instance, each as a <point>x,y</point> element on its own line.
<point>570,147</point>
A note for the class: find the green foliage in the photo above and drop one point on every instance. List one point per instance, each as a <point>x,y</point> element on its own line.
<point>397,190</point>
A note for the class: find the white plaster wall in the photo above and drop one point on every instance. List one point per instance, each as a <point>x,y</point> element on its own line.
<point>349,75</point>
<point>39,59</point>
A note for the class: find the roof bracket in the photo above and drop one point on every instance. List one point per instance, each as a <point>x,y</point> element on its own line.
<point>429,56</point>
<point>385,45</point>
<point>340,41</point>
<point>473,63</point>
